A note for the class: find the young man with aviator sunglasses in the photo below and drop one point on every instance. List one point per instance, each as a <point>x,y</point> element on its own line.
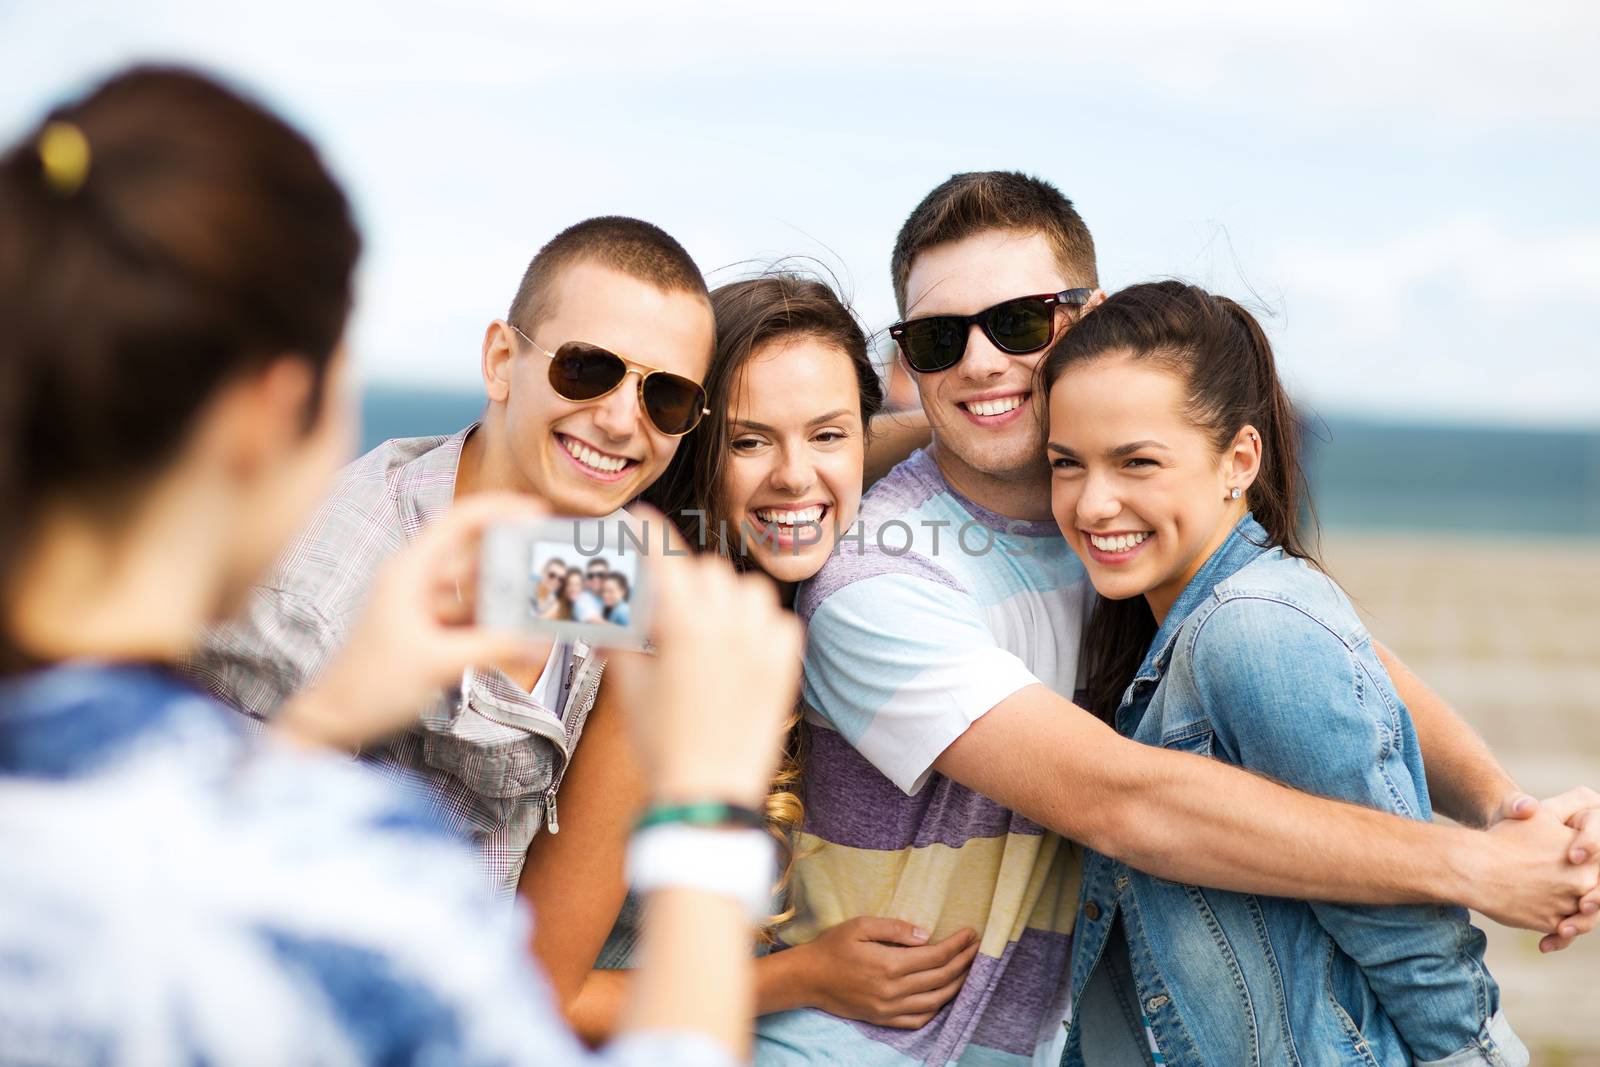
<point>950,773</point>
<point>591,380</point>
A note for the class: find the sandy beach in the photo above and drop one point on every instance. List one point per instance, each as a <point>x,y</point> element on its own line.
<point>1506,629</point>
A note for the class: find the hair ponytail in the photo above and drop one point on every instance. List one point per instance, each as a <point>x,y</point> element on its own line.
<point>1279,491</point>
<point>1221,354</point>
<point>158,238</point>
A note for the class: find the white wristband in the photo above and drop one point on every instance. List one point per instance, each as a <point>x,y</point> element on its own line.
<point>739,864</point>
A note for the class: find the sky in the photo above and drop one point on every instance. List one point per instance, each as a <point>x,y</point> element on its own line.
<point>1405,192</point>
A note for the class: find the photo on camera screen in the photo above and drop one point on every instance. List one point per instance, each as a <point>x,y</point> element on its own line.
<point>572,579</point>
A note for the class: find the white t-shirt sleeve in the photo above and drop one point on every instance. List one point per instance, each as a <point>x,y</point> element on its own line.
<point>901,665</point>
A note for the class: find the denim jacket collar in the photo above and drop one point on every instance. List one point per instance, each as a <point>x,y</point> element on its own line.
<point>1247,541</point>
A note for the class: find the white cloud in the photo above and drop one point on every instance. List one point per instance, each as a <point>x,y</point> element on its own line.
<point>1451,60</point>
<point>1469,318</point>
<point>1480,260</point>
<point>1239,140</point>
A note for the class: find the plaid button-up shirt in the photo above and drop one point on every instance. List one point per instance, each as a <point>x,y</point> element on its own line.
<point>489,765</point>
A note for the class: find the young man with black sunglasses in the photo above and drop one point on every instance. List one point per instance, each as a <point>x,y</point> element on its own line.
<point>950,772</point>
<point>591,380</point>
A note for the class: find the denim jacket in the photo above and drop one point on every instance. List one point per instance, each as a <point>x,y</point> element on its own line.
<point>1263,663</point>
<point>174,891</point>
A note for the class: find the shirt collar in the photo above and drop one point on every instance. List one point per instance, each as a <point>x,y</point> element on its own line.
<point>425,488</point>
<point>66,720</point>
<point>1244,544</point>
<point>923,462</point>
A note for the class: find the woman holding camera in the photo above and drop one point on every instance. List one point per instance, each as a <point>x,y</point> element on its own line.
<point>175,276</point>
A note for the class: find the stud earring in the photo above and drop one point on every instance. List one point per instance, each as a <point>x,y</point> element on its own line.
<point>1235,494</point>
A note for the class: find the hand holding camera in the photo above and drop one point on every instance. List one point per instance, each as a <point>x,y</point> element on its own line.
<point>417,633</point>
<point>709,709</point>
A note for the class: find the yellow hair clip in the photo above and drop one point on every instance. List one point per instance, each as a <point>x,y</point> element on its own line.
<point>64,155</point>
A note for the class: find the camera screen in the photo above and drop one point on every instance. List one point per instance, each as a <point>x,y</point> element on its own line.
<point>565,586</point>
<point>575,579</point>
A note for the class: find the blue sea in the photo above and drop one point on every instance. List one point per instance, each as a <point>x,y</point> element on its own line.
<point>1364,473</point>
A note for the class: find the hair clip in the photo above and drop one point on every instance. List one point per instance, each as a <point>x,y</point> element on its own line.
<point>64,157</point>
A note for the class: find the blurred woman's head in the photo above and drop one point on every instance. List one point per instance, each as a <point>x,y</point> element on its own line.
<point>776,471</point>
<point>1168,422</point>
<point>552,577</point>
<point>572,587</point>
<point>175,274</point>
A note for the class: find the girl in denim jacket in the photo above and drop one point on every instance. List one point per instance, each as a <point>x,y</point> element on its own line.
<point>1175,477</point>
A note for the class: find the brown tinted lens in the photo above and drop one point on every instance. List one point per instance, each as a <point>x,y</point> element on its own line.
<point>583,372</point>
<point>674,404</point>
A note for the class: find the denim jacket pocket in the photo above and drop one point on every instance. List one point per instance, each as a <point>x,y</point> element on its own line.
<point>1351,1004</point>
<point>1196,738</point>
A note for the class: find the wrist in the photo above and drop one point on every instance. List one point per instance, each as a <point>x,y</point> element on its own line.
<point>1463,868</point>
<point>307,720</point>
<point>323,713</point>
<point>691,786</point>
<point>1494,802</point>
<point>783,981</point>
<point>702,812</point>
<point>739,865</point>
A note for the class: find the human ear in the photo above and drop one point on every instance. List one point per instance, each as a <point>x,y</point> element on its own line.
<point>1241,460</point>
<point>258,419</point>
<point>498,352</point>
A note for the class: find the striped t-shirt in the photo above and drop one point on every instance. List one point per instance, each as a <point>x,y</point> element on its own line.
<point>935,613</point>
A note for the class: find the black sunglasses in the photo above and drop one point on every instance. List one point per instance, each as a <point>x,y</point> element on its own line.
<point>1017,327</point>
<point>580,372</point>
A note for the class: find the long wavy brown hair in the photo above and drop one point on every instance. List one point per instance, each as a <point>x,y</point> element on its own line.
<point>750,315</point>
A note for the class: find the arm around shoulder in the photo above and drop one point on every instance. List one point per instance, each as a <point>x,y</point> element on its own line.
<point>1190,819</point>
<point>901,662</point>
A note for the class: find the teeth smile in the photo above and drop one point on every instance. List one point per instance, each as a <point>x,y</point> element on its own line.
<point>994,407</point>
<point>590,458</point>
<point>791,518</point>
<point>1119,543</point>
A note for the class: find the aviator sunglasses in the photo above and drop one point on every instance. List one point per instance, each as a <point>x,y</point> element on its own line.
<point>1017,327</point>
<point>580,372</point>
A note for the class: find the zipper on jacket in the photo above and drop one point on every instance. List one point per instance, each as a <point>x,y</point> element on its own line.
<point>551,821</point>
<point>559,737</point>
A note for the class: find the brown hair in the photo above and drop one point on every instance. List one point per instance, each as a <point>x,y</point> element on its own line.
<point>629,246</point>
<point>198,239</point>
<point>751,314</point>
<point>1218,350</point>
<point>972,203</point>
